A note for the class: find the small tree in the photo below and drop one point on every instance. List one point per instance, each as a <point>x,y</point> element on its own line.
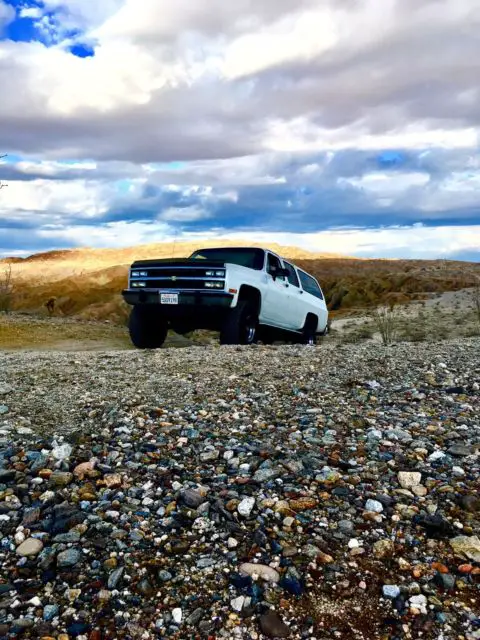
<point>6,289</point>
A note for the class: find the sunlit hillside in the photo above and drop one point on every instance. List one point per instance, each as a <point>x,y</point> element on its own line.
<point>88,282</point>
<point>56,265</point>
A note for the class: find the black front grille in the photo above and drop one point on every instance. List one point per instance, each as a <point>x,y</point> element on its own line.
<point>183,273</point>
<point>176,285</point>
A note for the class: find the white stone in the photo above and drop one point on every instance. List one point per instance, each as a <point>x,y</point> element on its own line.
<point>436,455</point>
<point>19,537</point>
<point>232,543</point>
<point>177,615</point>
<point>261,570</point>
<point>237,603</point>
<point>391,590</point>
<point>31,547</point>
<point>35,601</point>
<point>409,479</point>
<point>228,455</point>
<point>419,602</point>
<point>245,507</point>
<point>353,543</point>
<point>458,471</point>
<point>374,505</point>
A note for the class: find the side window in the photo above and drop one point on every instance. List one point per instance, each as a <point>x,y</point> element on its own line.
<point>292,274</point>
<point>310,285</point>
<point>273,264</point>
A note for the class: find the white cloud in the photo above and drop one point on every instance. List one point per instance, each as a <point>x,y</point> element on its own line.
<point>30,12</point>
<point>185,214</point>
<point>114,234</point>
<point>7,14</point>
<point>80,198</point>
<point>387,184</point>
<point>415,241</point>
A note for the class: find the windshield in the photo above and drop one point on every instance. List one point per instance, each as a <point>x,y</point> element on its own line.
<point>252,258</point>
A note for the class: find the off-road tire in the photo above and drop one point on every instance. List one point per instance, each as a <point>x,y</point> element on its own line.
<point>240,326</point>
<point>148,330</point>
<point>309,336</point>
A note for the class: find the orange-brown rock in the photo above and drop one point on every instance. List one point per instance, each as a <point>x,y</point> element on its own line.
<point>303,504</point>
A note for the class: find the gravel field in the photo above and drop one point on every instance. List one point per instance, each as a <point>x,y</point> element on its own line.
<point>241,492</point>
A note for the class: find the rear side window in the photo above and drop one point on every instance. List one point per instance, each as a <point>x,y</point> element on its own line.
<point>292,274</point>
<point>310,285</point>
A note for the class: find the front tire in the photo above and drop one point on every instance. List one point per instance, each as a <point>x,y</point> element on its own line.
<point>148,330</point>
<point>240,326</point>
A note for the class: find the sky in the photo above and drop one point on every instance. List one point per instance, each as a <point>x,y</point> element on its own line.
<point>341,126</point>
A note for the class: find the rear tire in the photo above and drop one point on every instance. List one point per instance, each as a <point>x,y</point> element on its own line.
<point>240,326</point>
<point>309,332</point>
<point>147,328</point>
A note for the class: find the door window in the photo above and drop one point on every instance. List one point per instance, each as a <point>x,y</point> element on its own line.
<point>273,264</point>
<point>292,274</point>
<point>310,285</point>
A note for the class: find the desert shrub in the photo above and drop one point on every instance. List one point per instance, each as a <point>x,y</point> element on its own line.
<point>6,289</point>
<point>386,321</point>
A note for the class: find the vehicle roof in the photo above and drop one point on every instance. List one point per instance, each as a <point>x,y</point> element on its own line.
<point>260,249</point>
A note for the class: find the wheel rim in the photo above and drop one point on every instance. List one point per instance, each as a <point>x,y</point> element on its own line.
<point>250,329</point>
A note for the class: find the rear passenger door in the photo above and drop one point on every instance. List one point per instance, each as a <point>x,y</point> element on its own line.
<point>297,309</point>
<point>275,306</point>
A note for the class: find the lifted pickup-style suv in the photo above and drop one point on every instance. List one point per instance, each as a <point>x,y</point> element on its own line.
<point>247,294</point>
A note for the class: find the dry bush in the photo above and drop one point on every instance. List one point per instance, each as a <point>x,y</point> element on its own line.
<point>386,321</point>
<point>476,299</point>
<point>6,289</point>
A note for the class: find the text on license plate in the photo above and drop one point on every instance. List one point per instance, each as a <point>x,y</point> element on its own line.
<point>169,298</point>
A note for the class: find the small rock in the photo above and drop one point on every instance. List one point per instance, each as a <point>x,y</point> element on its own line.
<point>263,571</point>
<point>245,507</point>
<point>61,478</point>
<point>374,505</point>
<point>237,603</point>
<point>459,450</point>
<point>113,480</point>
<point>177,615</point>
<point>114,578</point>
<point>390,591</point>
<point>383,548</point>
<point>69,558</point>
<point>468,546</point>
<point>273,626</point>
<point>192,498</point>
<point>30,547</point>
<point>409,479</point>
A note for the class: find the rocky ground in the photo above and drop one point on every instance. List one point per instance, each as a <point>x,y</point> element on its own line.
<point>261,492</point>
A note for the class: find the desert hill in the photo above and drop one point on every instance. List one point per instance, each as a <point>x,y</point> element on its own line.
<point>87,282</point>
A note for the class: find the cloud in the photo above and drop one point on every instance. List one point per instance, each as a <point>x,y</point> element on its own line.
<point>7,14</point>
<point>259,116</point>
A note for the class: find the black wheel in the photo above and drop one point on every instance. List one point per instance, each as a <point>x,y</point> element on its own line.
<point>309,333</point>
<point>148,330</point>
<point>240,326</point>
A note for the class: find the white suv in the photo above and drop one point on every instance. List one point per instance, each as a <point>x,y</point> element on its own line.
<point>247,294</point>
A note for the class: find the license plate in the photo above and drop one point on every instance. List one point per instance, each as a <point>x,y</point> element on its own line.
<point>169,298</point>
